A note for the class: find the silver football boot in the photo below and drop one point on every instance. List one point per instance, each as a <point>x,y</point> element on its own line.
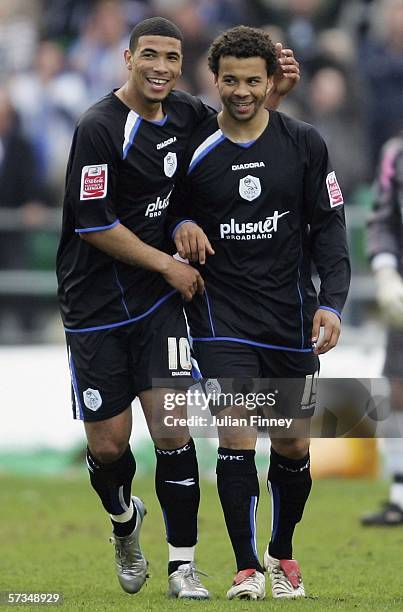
<point>185,583</point>
<point>131,565</point>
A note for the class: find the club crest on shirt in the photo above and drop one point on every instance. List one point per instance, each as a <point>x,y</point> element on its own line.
<point>333,189</point>
<point>250,187</point>
<point>94,182</point>
<point>92,399</point>
<point>212,387</point>
<point>170,164</point>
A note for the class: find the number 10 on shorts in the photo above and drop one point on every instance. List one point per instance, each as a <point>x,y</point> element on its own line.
<point>179,348</point>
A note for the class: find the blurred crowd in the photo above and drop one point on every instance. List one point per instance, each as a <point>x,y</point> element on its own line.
<point>59,56</point>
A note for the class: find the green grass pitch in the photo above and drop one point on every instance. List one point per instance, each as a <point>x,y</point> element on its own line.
<point>54,537</point>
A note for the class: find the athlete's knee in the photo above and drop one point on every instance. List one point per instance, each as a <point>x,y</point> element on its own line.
<point>236,442</point>
<point>171,443</point>
<point>107,451</point>
<point>293,448</point>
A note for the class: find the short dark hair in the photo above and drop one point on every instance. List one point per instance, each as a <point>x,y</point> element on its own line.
<point>242,42</point>
<point>155,26</point>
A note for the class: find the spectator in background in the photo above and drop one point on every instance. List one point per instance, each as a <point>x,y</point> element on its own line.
<point>301,21</point>
<point>63,19</point>
<point>49,100</point>
<point>381,62</point>
<point>206,88</point>
<point>98,51</point>
<point>20,185</point>
<point>385,246</point>
<point>197,33</point>
<point>18,35</point>
<point>331,109</point>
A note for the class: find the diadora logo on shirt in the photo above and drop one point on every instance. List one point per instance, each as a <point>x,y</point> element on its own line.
<point>260,230</point>
<point>259,164</point>
<point>250,188</point>
<point>94,182</point>
<point>166,143</point>
<point>155,208</point>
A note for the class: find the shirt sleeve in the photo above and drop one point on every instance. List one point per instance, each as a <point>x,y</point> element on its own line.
<point>323,201</point>
<point>385,222</point>
<point>92,178</point>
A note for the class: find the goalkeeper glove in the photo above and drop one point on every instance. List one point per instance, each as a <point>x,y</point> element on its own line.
<point>389,295</point>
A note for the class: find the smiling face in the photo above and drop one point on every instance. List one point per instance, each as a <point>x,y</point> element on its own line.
<point>154,67</point>
<point>243,85</point>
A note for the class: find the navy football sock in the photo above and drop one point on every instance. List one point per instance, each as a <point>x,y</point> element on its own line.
<point>112,482</point>
<point>177,487</point>
<point>289,482</point>
<point>238,488</point>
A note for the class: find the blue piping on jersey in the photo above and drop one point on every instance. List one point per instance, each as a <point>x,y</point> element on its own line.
<point>209,312</point>
<point>101,228</point>
<point>252,521</point>
<point>253,343</point>
<point>121,323</point>
<point>175,229</point>
<point>205,152</point>
<point>132,136</point>
<point>158,121</point>
<point>301,310</point>
<point>75,386</point>
<point>121,291</point>
<point>244,145</point>
<point>330,310</point>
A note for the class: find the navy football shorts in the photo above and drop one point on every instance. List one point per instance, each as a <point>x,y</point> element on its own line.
<point>238,368</point>
<point>109,368</point>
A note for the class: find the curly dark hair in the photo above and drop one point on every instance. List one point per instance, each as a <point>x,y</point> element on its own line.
<point>243,41</point>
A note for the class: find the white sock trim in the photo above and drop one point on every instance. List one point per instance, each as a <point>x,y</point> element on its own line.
<point>181,553</point>
<point>125,516</point>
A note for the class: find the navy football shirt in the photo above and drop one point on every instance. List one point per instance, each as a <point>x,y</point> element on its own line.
<point>270,208</point>
<point>121,169</point>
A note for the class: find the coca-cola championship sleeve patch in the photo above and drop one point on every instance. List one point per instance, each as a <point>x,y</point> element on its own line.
<point>94,182</point>
<point>333,189</point>
<point>91,180</point>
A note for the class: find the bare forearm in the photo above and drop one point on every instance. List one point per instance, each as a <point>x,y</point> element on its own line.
<point>120,243</point>
<point>273,99</point>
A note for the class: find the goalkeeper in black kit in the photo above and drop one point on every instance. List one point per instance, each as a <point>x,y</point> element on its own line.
<point>385,250</point>
<point>258,203</point>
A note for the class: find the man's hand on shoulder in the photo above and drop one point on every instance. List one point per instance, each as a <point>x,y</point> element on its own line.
<point>332,327</point>
<point>192,243</point>
<point>285,78</point>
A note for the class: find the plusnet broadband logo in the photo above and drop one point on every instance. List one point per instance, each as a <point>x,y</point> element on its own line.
<point>259,230</point>
<point>155,209</point>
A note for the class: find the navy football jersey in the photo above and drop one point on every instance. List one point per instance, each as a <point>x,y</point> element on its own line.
<point>121,169</point>
<point>270,208</point>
